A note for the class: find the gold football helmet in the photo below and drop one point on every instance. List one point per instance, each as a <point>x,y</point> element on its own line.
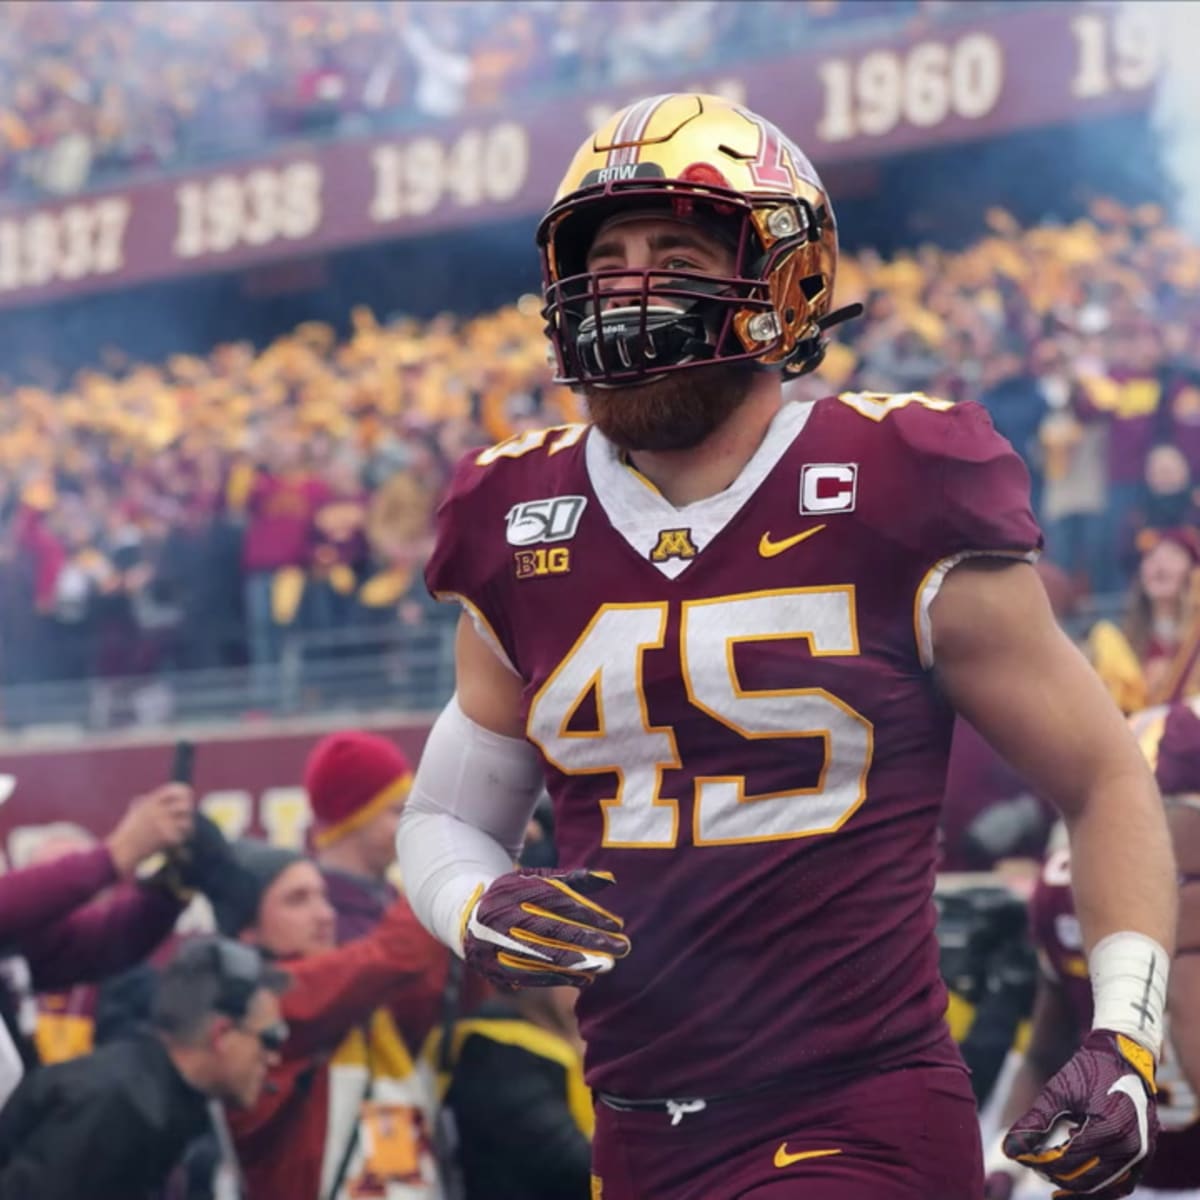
<point>701,159</point>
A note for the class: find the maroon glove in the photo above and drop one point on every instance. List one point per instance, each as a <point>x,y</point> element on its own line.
<point>537,928</point>
<point>999,1185</point>
<point>1105,1097</point>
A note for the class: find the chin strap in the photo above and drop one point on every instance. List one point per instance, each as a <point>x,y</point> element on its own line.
<point>840,315</point>
<point>810,353</point>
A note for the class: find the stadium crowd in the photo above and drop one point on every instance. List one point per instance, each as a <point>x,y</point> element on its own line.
<point>191,513</point>
<point>90,90</point>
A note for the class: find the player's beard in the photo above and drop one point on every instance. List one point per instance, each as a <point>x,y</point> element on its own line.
<point>676,412</point>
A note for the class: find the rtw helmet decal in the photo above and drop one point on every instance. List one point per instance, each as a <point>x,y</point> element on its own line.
<point>703,160</point>
<point>623,171</point>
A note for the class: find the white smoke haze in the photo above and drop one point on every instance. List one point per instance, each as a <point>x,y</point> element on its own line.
<point>1176,106</point>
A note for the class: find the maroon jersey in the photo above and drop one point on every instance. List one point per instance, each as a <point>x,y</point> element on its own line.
<point>1129,399</point>
<point>1185,420</point>
<point>1059,943</point>
<point>736,714</point>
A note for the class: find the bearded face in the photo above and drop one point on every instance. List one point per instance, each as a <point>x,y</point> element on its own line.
<point>676,412</point>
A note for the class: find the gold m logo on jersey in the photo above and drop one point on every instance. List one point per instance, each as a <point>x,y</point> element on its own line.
<point>674,543</point>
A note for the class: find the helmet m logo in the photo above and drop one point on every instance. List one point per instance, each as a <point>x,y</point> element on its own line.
<point>779,163</point>
<point>673,543</point>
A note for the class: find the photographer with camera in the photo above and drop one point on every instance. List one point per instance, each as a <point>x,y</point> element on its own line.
<point>114,1125</point>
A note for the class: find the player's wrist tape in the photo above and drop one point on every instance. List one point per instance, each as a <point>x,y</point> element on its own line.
<point>1129,987</point>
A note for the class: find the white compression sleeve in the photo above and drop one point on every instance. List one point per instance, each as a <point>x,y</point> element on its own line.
<point>465,819</point>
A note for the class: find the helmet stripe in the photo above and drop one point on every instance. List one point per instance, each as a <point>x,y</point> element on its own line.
<point>632,128</point>
<point>619,133</point>
<point>624,132</point>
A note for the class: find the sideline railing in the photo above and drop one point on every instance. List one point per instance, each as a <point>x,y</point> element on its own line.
<point>357,670</point>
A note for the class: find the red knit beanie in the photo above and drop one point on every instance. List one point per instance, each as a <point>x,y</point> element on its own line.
<point>350,777</point>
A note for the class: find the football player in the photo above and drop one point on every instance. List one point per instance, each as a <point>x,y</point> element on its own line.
<point>1170,738</point>
<point>730,633</point>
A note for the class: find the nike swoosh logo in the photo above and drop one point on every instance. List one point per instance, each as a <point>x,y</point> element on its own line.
<point>768,548</point>
<point>1133,1087</point>
<point>597,963</point>
<point>485,933</point>
<point>784,1159</point>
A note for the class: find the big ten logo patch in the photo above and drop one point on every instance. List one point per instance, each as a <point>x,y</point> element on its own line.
<point>533,564</point>
<point>673,543</point>
<point>553,520</point>
<point>828,487</point>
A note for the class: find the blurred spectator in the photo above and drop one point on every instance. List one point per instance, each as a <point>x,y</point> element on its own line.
<point>1127,395</point>
<point>1153,656</point>
<point>319,1133</point>
<point>1075,474</point>
<point>443,66</point>
<point>117,1122</point>
<point>65,1019</point>
<point>283,501</point>
<point>1013,395</point>
<point>1168,500</point>
<point>1179,374</point>
<point>57,933</point>
<point>357,783</point>
<point>522,1111</point>
<point>204,865</point>
<point>338,550</point>
<point>89,91</point>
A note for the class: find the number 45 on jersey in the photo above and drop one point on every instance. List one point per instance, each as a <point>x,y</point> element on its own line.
<point>606,662</point>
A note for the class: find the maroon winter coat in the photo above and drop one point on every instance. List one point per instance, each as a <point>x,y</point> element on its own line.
<point>49,916</point>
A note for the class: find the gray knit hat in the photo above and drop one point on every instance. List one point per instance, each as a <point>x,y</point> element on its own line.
<point>256,866</point>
